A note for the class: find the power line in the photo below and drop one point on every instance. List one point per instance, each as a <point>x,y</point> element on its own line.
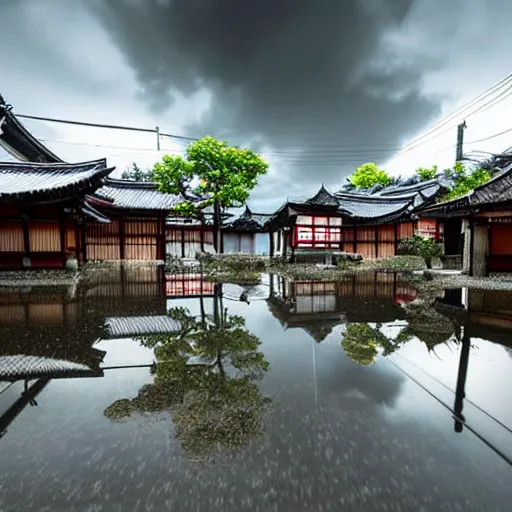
<point>333,156</point>
<point>490,137</point>
<point>109,147</point>
<point>489,415</point>
<point>451,127</point>
<point>107,126</point>
<point>502,83</point>
<point>455,416</point>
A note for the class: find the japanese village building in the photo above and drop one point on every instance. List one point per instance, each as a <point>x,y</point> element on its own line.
<point>51,210</point>
<point>43,208</point>
<point>370,223</point>
<point>137,215</point>
<point>246,233</point>
<point>484,217</point>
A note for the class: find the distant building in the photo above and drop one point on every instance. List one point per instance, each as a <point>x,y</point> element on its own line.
<point>370,223</point>
<point>246,233</point>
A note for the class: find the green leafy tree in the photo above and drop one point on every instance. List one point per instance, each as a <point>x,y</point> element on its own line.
<point>466,181</point>
<point>135,173</point>
<point>426,173</point>
<point>226,175</point>
<point>368,175</point>
<point>425,247</point>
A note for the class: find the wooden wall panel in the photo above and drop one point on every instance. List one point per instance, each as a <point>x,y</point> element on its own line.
<point>405,230</point>
<point>386,249</point>
<point>365,234</point>
<point>12,314</point>
<point>427,227</point>
<point>140,252</point>
<point>102,241</point>
<point>44,236</point>
<point>70,239</point>
<point>386,233</point>
<point>11,237</point>
<point>46,313</point>
<point>500,239</point>
<point>366,250</point>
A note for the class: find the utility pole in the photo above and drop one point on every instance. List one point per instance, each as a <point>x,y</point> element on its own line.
<point>158,138</point>
<point>460,141</point>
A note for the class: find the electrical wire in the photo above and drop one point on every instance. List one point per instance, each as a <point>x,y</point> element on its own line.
<point>108,146</point>
<point>107,126</point>
<point>455,415</point>
<point>490,137</point>
<point>328,155</point>
<point>489,415</point>
<point>502,83</point>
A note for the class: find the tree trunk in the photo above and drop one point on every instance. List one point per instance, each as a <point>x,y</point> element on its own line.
<point>216,227</point>
<point>428,262</point>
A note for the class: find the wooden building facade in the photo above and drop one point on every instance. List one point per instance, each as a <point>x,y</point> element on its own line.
<point>370,225</point>
<point>43,209</point>
<point>136,229</point>
<point>485,220</point>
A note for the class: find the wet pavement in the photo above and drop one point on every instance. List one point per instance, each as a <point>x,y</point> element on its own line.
<point>271,396</point>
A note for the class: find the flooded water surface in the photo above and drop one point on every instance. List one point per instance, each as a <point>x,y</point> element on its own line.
<point>138,390</point>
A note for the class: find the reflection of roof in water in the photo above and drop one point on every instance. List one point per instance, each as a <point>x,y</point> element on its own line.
<point>118,327</point>
<point>348,309</point>
<point>31,367</point>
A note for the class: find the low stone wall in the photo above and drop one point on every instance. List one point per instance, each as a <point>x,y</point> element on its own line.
<point>242,262</point>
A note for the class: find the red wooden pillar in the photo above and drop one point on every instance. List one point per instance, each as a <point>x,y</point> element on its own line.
<point>161,238</point>
<point>62,232</point>
<point>77,240</point>
<point>376,241</point>
<point>83,234</point>
<point>121,238</point>
<point>26,237</point>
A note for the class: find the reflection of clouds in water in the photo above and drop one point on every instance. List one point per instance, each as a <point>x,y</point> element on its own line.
<point>373,384</point>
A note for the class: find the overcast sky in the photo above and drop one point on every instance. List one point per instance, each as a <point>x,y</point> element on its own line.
<point>318,86</point>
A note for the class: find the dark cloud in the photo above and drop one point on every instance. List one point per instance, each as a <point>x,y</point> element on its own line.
<point>315,80</point>
<point>318,86</point>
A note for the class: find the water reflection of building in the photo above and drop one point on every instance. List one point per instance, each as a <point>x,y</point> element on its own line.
<point>51,333</point>
<point>486,314</point>
<point>319,306</point>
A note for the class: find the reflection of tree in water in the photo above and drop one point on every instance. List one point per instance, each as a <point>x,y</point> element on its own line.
<point>361,341</point>
<point>207,376</point>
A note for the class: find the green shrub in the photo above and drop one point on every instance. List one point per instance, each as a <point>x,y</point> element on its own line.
<point>425,247</point>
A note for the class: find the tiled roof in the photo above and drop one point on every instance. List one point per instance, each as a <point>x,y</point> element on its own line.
<point>496,190</point>
<point>21,181</point>
<point>119,327</point>
<point>371,207</point>
<point>135,195</point>
<point>18,141</point>
<point>323,198</point>
<point>248,221</point>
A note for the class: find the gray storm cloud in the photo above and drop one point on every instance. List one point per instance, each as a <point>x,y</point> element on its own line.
<point>319,86</point>
<point>315,80</point>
